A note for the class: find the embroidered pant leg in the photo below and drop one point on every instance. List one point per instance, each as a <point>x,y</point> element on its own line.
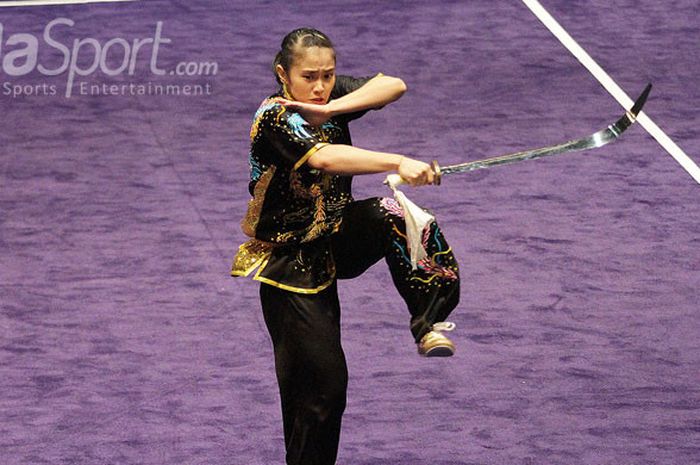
<point>375,228</point>
<point>311,370</point>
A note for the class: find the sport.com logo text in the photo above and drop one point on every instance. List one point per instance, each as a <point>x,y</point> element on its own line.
<point>20,56</point>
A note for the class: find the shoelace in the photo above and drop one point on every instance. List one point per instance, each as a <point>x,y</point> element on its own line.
<point>444,326</point>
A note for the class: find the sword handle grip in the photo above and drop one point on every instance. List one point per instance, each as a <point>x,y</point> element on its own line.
<point>396,180</point>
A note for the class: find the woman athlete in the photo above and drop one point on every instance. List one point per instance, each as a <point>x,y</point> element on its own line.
<point>307,232</point>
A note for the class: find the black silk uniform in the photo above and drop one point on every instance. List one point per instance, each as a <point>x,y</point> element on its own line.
<point>307,231</point>
<point>293,204</point>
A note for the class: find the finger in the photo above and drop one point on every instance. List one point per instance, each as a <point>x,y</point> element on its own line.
<point>421,176</point>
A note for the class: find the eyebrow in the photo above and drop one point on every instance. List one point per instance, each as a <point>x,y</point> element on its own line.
<point>315,70</point>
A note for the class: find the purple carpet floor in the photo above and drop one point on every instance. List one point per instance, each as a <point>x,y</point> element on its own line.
<point>123,340</point>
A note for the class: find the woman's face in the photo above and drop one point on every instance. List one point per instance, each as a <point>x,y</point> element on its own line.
<point>311,76</point>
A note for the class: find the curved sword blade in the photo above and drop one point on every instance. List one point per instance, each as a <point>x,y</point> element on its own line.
<point>597,139</point>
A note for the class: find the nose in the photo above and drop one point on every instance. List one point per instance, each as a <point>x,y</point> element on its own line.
<point>319,86</point>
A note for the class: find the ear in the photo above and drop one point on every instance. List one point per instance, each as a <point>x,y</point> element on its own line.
<point>282,74</point>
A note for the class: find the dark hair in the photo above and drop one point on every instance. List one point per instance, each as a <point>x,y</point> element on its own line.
<point>302,37</point>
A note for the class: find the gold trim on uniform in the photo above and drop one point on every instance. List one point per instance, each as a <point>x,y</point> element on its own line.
<point>308,154</point>
<point>256,254</point>
<point>251,255</point>
<point>298,290</point>
<point>286,287</point>
<point>285,92</point>
<point>252,216</point>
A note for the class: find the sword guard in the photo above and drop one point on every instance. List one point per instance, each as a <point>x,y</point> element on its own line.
<point>437,173</point>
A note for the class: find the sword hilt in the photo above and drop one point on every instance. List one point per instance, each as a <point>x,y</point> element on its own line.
<point>395,180</point>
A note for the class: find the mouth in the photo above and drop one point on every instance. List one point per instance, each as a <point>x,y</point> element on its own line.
<point>318,101</point>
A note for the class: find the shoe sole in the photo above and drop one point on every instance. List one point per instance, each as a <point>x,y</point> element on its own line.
<point>440,351</point>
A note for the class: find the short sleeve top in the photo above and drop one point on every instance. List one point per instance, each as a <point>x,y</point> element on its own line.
<point>293,206</point>
<point>293,203</point>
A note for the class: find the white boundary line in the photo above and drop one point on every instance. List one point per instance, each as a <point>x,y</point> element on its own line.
<point>56,2</point>
<point>611,86</point>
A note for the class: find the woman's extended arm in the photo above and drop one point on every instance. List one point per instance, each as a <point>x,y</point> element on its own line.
<point>349,160</point>
<point>379,91</point>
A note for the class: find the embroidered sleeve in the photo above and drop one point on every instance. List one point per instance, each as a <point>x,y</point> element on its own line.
<point>290,137</point>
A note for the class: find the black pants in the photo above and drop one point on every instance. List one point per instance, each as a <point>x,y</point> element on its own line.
<point>305,328</point>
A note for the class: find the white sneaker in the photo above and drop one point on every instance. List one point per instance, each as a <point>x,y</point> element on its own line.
<point>436,344</point>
